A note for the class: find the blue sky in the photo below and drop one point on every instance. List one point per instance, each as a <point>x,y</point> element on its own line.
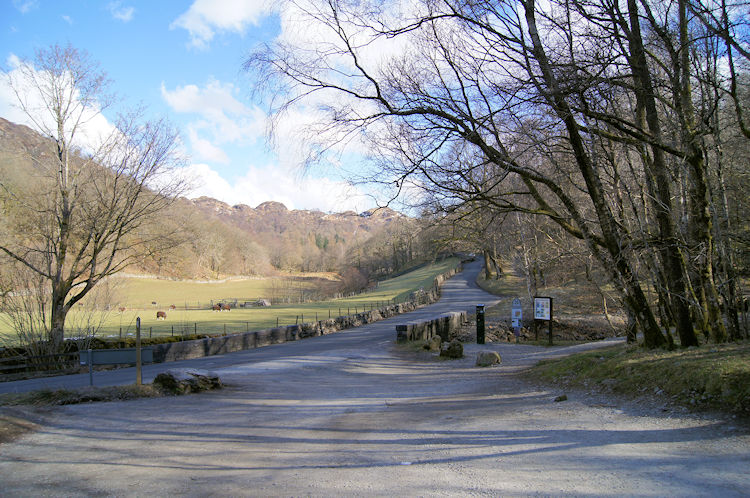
<point>182,60</point>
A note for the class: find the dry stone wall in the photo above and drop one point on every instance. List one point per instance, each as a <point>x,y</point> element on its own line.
<point>424,330</point>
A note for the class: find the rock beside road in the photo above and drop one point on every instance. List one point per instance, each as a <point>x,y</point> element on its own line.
<point>187,380</point>
<point>488,358</point>
<point>454,350</point>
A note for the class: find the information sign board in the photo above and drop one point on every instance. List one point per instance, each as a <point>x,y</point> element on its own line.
<point>542,308</point>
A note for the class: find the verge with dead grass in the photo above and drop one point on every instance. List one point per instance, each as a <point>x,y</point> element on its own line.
<point>82,395</point>
<point>711,377</point>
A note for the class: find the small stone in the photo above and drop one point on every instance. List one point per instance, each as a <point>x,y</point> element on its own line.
<point>488,358</point>
<point>562,397</point>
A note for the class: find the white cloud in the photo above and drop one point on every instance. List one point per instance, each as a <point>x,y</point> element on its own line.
<point>68,19</point>
<point>219,117</point>
<point>93,129</point>
<point>205,150</point>
<point>273,183</point>
<point>206,17</point>
<point>120,12</point>
<point>25,6</point>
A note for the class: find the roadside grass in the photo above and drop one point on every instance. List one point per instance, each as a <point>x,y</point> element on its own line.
<point>710,377</point>
<point>181,322</point>
<point>82,395</point>
<point>713,377</point>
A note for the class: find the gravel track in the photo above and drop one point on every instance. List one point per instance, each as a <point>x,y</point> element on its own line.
<point>378,421</point>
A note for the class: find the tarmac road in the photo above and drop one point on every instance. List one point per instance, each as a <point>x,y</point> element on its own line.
<point>459,293</point>
<point>348,414</point>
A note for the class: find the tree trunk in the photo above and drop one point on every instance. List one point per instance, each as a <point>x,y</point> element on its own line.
<point>494,258</point>
<point>700,225</point>
<point>487,264</point>
<point>635,298</point>
<point>57,322</point>
<point>669,251</point>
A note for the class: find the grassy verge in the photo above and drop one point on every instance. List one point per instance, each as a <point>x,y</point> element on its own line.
<point>715,377</point>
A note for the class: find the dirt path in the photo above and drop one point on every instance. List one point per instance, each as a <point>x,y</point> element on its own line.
<point>378,422</point>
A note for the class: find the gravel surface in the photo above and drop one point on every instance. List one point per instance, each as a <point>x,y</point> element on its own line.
<point>377,420</point>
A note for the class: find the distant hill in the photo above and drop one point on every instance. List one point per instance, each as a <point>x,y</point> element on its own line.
<point>215,239</point>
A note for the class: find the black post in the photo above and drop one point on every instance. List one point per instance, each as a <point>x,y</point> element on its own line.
<point>480,324</point>
<point>138,377</point>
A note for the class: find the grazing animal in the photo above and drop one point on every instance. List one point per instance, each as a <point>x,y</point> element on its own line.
<point>172,307</point>
<point>161,315</point>
<point>225,307</point>
<point>122,310</point>
<point>217,307</point>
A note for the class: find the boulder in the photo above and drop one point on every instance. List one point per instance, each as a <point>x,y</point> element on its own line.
<point>187,380</point>
<point>488,358</point>
<point>453,350</point>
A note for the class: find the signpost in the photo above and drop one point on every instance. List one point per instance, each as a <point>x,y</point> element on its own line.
<point>543,311</point>
<point>516,317</point>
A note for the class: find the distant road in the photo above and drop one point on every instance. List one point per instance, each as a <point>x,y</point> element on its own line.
<point>459,293</point>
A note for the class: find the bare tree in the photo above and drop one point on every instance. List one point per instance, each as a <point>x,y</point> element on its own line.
<point>83,216</point>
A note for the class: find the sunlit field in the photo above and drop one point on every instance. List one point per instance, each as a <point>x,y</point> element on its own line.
<point>136,296</point>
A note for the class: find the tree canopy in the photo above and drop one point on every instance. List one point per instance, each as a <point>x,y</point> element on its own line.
<point>610,119</point>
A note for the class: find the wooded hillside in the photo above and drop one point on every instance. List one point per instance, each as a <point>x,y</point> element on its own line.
<point>211,239</point>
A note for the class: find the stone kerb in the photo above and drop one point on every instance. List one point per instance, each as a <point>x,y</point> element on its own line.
<point>424,330</point>
<point>186,350</point>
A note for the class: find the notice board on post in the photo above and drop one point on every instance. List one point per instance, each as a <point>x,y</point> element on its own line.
<point>542,308</point>
<point>543,311</point>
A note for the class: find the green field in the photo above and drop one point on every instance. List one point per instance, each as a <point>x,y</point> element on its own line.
<point>137,294</point>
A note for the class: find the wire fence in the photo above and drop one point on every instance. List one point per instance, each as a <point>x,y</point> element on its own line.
<point>184,327</point>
